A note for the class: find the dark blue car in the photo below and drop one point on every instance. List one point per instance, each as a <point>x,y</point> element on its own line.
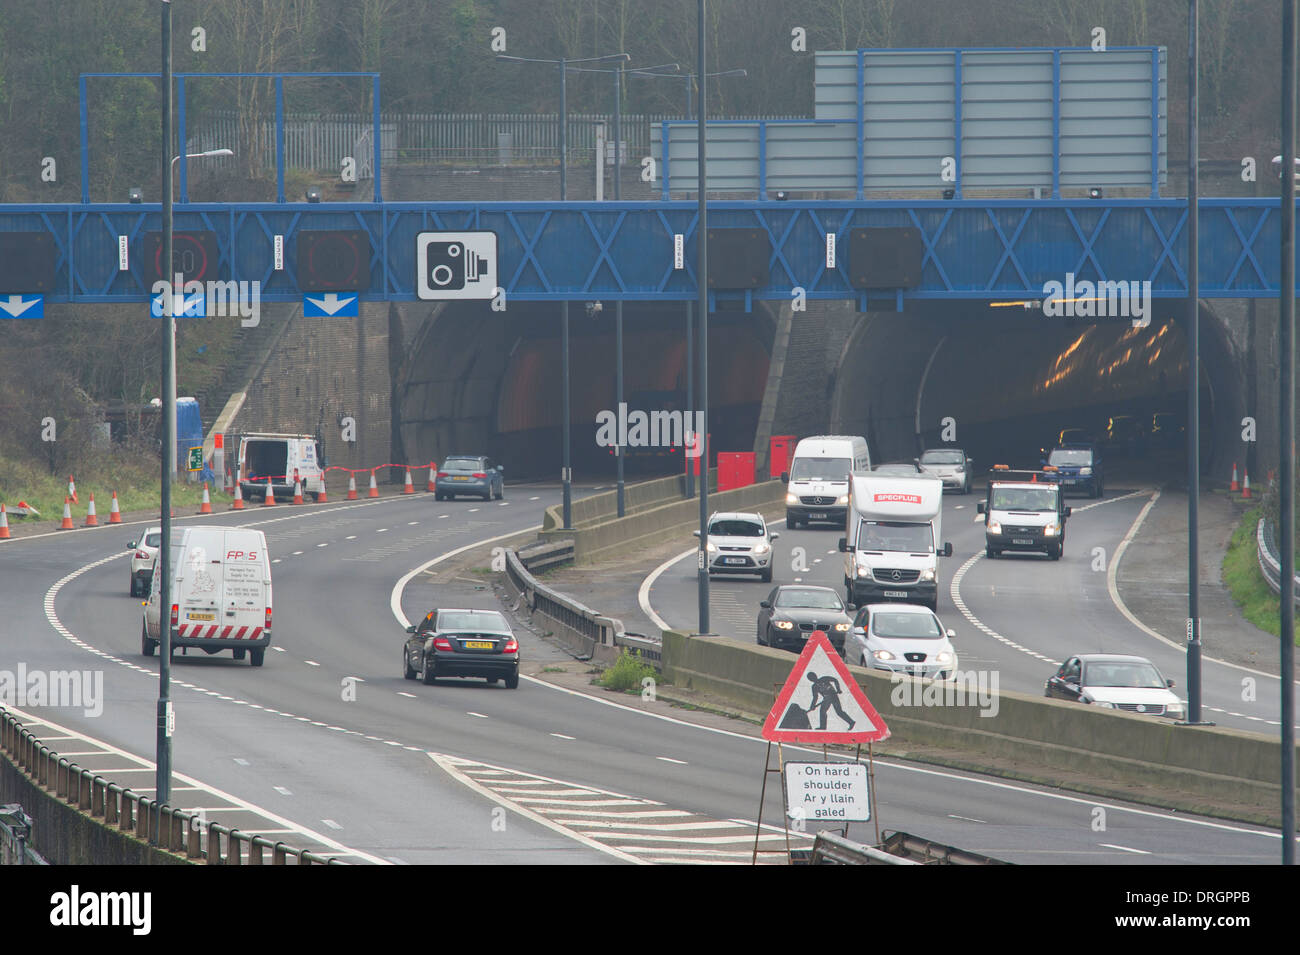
<point>1079,467</point>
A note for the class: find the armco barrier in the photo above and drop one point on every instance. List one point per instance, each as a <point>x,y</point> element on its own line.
<point>1269,565</point>
<point>1209,770</point>
<point>636,497</point>
<point>79,818</point>
<point>603,537</point>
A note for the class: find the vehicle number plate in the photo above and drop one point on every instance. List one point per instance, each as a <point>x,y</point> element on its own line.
<point>1022,540</point>
<point>817,517</point>
<point>201,616</point>
<point>895,593</point>
<point>460,479</point>
<point>733,560</point>
<point>478,645</point>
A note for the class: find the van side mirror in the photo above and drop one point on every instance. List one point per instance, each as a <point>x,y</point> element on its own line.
<point>765,604</point>
<point>774,536</point>
<point>411,629</point>
<point>947,550</point>
<point>1069,511</point>
<point>130,545</point>
<point>1169,683</point>
<point>844,545</point>
<point>501,468</point>
<point>695,533</point>
<point>950,634</point>
<point>850,607</point>
<point>979,507</point>
<point>785,477</point>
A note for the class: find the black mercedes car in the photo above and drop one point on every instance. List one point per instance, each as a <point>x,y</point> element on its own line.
<point>791,612</point>
<point>451,642</point>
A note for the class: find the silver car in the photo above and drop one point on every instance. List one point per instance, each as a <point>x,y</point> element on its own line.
<point>469,474</point>
<point>950,465</point>
<point>145,549</point>
<point>740,543</point>
<point>902,638</point>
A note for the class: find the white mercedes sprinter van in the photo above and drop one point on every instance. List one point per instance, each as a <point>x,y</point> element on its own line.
<point>220,593</point>
<point>817,484</point>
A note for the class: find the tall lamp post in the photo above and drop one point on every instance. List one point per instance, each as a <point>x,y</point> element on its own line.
<point>701,280</point>
<point>563,64</point>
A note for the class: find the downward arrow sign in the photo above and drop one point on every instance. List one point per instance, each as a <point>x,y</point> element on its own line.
<point>16,305</point>
<point>332,302</point>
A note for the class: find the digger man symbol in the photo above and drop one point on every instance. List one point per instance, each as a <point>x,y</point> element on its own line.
<point>828,689</point>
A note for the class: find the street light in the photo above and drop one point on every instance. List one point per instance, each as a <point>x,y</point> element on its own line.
<point>563,64</point>
<point>690,83</point>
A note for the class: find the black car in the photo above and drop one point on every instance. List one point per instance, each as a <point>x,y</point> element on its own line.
<point>1167,430</point>
<point>469,474</point>
<point>458,642</point>
<point>792,612</point>
<point>1125,435</point>
<point>1079,467</point>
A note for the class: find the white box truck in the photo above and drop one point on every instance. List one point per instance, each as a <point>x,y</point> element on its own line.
<point>280,458</point>
<point>220,593</point>
<point>891,544</point>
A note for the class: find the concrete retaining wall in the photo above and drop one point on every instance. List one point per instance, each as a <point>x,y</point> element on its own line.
<point>1197,769</point>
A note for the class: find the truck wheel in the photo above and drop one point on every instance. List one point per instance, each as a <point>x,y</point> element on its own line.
<point>239,653</point>
<point>1054,552</point>
<point>147,646</point>
<point>255,657</point>
<point>992,553</point>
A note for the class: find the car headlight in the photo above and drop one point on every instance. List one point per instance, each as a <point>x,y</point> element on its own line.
<point>783,624</point>
<point>762,547</point>
<point>1050,530</point>
<point>927,574</point>
<point>883,655</point>
<point>1104,704</point>
<point>792,499</point>
<point>994,527</point>
<point>863,571</point>
<point>1085,471</point>
<point>943,656</point>
<point>1176,709</point>
<point>842,627</point>
<point>711,547</point>
<point>842,499</point>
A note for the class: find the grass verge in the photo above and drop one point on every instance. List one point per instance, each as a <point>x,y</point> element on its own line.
<point>1245,581</point>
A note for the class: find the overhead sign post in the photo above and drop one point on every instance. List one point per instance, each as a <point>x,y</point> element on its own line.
<point>821,702</point>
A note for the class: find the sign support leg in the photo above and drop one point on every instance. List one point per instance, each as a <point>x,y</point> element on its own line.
<point>871,787</point>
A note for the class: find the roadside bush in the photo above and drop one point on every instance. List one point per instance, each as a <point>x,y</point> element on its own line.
<point>627,672</point>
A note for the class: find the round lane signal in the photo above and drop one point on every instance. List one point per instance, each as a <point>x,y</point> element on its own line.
<point>333,260</point>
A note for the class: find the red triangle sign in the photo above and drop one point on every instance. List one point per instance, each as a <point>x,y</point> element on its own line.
<point>822,703</point>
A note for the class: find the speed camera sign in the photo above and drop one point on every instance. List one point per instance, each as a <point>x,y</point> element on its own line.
<point>456,265</point>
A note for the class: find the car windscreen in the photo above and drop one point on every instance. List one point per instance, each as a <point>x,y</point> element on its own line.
<point>735,528</point>
<point>1137,675</point>
<point>809,599</point>
<point>153,540</point>
<point>908,536</point>
<point>477,621</point>
<point>462,464</point>
<point>1070,457</point>
<point>821,469</point>
<point>913,626</point>
<point>1024,499</point>
<point>942,457</point>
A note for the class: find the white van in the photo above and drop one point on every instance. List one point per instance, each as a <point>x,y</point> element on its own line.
<point>220,593</point>
<point>817,484</point>
<point>891,544</point>
<point>280,457</point>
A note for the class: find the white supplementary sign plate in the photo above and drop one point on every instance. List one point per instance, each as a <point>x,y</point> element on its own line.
<point>827,792</point>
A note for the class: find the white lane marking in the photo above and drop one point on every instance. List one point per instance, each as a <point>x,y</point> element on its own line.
<point>323,544</point>
<point>978,518</point>
<point>953,815</point>
<point>331,823</point>
<point>954,591</point>
<point>351,537</point>
<point>282,791</point>
<point>959,507</point>
<point>411,523</point>
<point>297,553</point>
<point>382,530</point>
<point>241,762</point>
<point>534,499</point>
<point>562,736</point>
<point>442,517</point>
<point>643,593</point>
<point>669,759</point>
<point>473,510</point>
<point>454,772</point>
<point>411,696</point>
<point>503,504</point>
<point>1108,845</point>
<point>278,649</point>
<point>275,560</point>
<point>311,663</point>
<point>481,716</point>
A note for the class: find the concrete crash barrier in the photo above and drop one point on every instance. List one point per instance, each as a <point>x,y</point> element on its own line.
<point>636,497</point>
<point>605,536</point>
<point>1209,770</point>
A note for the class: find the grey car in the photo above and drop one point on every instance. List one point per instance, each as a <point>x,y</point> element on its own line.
<point>469,474</point>
<point>791,612</point>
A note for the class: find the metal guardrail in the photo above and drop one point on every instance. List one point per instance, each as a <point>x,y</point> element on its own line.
<point>163,826</point>
<point>15,832</point>
<point>923,851</point>
<point>1269,565</point>
<point>831,849</point>
<point>596,628</point>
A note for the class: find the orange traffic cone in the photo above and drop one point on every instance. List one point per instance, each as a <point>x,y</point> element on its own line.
<point>4,523</point>
<point>297,491</point>
<point>206,506</point>
<point>72,490</point>
<point>432,474</point>
<point>67,515</point>
<point>322,498</point>
<point>269,500</point>
<point>1245,488</point>
<point>1234,486</point>
<point>374,488</point>
<point>408,488</point>
<point>114,515</point>
<point>352,487</point>
<point>91,519</point>
<point>238,503</point>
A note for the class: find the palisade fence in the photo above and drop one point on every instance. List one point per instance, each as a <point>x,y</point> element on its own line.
<point>319,141</point>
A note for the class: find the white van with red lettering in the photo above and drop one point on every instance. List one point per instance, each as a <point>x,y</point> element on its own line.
<point>220,593</point>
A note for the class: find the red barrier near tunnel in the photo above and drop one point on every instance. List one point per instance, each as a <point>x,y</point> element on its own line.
<point>780,448</point>
<point>735,469</point>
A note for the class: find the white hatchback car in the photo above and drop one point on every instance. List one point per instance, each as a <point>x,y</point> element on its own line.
<point>740,543</point>
<point>901,638</point>
<point>146,548</point>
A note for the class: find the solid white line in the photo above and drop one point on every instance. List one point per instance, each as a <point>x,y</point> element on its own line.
<point>311,663</point>
<point>562,736</point>
<point>481,716</point>
<point>451,769</point>
<point>643,593</point>
<point>351,537</point>
<point>953,815</point>
<point>669,759</point>
<point>1107,845</point>
<point>323,544</point>
<point>653,826</point>
<point>409,695</point>
<point>573,802</point>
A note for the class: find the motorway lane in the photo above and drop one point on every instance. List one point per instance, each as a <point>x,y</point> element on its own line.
<point>339,595</point>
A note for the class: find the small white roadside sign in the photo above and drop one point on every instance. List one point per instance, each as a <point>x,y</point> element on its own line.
<point>827,792</point>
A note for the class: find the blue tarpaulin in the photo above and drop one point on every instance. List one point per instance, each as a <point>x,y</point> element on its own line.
<point>189,433</point>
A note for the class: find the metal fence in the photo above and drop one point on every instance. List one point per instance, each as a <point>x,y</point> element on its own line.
<point>174,830</point>
<point>1269,564</point>
<point>15,838</point>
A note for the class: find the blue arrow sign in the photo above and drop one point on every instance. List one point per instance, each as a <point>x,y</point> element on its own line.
<point>193,305</point>
<point>330,305</point>
<point>22,306</point>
